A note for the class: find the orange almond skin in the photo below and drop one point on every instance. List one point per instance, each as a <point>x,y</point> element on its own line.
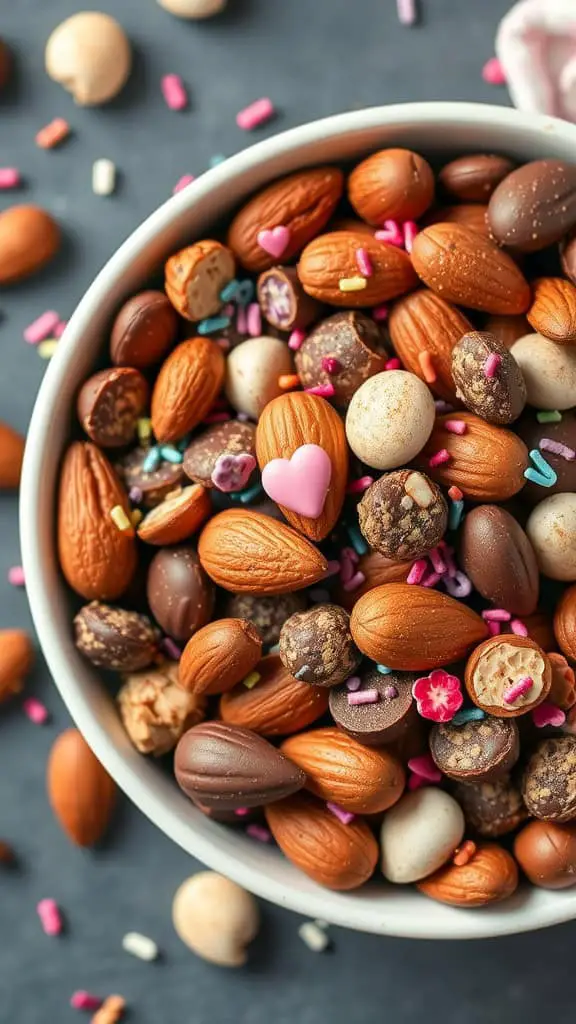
<point>177,517</point>
<point>565,623</point>
<point>80,791</point>
<point>338,856</point>
<point>394,184</point>
<point>360,779</point>
<point>490,876</point>
<point>290,421</point>
<point>11,455</point>
<point>219,655</point>
<point>329,258</point>
<point>553,309</point>
<point>16,659</point>
<point>29,238</point>
<point>186,387</point>
<point>278,705</point>
<point>424,322</point>
<point>414,628</point>
<point>247,552</point>
<point>471,215</point>
<point>98,559</point>
<point>376,569</point>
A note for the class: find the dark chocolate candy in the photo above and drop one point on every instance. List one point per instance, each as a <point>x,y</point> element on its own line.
<point>180,594</point>
<point>549,783</point>
<point>268,612</point>
<point>353,342</point>
<point>200,457</point>
<point>403,514</point>
<point>499,559</point>
<point>154,485</point>
<point>534,206</point>
<point>114,638</point>
<point>388,720</point>
<point>491,808</point>
<point>499,398</point>
<point>476,751</point>
<point>317,646</point>
<point>564,432</point>
<point>110,404</point>
<point>283,301</point>
<point>143,330</point>
<point>226,766</point>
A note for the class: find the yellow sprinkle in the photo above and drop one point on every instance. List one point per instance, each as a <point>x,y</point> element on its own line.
<point>136,516</point>
<point>47,348</point>
<point>144,429</point>
<point>119,518</point>
<point>251,680</point>
<point>352,284</point>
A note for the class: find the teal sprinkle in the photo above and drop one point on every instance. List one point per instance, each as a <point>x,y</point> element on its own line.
<point>171,454</point>
<point>248,494</point>
<point>456,513</point>
<point>245,292</point>
<point>383,670</point>
<point>275,649</point>
<point>551,416</point>
<point>357,540</point>
<point>468,715</point>
<point>229,290</point>
<point>152,460</point>
<point>183,443</point>
<point>214,323</point>
<point>217,158</point>
<point>543,475</point>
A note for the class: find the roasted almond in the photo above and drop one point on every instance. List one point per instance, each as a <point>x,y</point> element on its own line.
<point>277,705</point>
<point>80,791</point>
<point>424,329</point>
<point>16,658</point>
<point>565,623</point>
<point>195,276</point>
<point>470,215</point>
<point>220,655</point>
<point>11,455</point>
<point>185,389</point>
<point>29,238</point>
<point>329,263</point>
<point>177,517</point>
<point>553,309</point>
<point>376,570</point>
<point>489,876</point>
<point>507,328</point>
<point>393,184</point>
<point>473,178</point>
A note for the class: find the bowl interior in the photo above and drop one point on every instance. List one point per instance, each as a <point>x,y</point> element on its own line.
<point>437,129</point>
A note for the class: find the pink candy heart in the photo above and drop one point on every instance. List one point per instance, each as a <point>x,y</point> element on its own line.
<point>232,471</point>
<point>548,714</point>
<point>300,483</point>
<point>274,240</point>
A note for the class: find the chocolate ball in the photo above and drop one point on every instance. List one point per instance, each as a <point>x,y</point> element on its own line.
<point>143,331</point>
<point>268,612</point>
<point>533,433</point>
<point>283,301</point>
<point>497,393</point>
<point>551,528</point>
<point>230,437</point>
<point>110,404</point>
<point>317,647</point>
<point>497,556</point>
<point>491,808</point>
<point>403,514</point>
<point>180,594</point>
<point>390,719</point>
<point>549,783</point>
<point>344,351</point>
<point>476,751</point>
<point>114,638</point>
<point>547,854</point>
<point>153,485</point>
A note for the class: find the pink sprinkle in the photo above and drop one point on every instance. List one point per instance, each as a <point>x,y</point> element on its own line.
<point>295,340</point>
<point>438,562</point>
<point>356,581</point>
<point>241,322</point>
<point>170,648</point>
<point>361,484</point>
<point>363,262</point>
<point>333,568</point>
<point>494,628</point>
<point>406,11</point>
<point>548,714</point>
<point>174,92</point>
<point>42,327</point>
<point>182,182</point>
<point>425,767</point>
<point>351,554</point>
<point>346,568</point>
<point>223,343</point>
<point>439,458</point>
<point>448,555</point>
<point>496,615</point>
<point>254,115</point>
<point>50,917</point>
<point>518,689</point>
<point>380,313</point>
<point>455,426</point>
<point>229,309</point>
<point>416,782</point>
<point>492,365</point>
<point>393,364</point>
<point>254,320</point>
<point>455,493</point>
<point>35,711</point>
<point>59,329</point>
<point>431,580</point>
<point>417,572</point>
<point>518,627</point>
<point>344,816</point>
<point>353,683</point>
<point>241,812</point>
<point>259,832</point>
<point>331,365</point>
<point>9,177</point>
<point>84,1001</point>
<point>364,697</point>
<point>410,232</point>
<point>493,72</point>
<point>391,233</point>
<point>16,576</point>
<point>323,390</point>
<point>546,444</point>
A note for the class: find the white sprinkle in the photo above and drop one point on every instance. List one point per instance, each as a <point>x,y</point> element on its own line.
<point>313,936</point>
<point>140,946</point>
<point>103,177</point>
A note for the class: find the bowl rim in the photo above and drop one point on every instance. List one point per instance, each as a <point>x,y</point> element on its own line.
<point>317,902</point>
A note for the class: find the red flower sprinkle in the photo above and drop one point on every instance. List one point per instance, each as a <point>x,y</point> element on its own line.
<point>438,696</point>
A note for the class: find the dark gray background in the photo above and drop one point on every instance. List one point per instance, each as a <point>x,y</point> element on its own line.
<point>313,57</point>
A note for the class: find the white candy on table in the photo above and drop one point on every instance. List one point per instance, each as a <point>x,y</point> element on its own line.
<point>390,419</point>
<point>549,371</point>
<point>551,529</point>
<point>193,8</point>
<point>89,55</point>
<point>215,918</point>
<point>103,177</point>
<point>419,834</point>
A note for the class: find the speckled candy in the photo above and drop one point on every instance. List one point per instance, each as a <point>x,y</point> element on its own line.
<point>354,343</point>
<point>549,783</point>
<point>403,514</point>
<point>551,528</point>
<point>491,808</point>
<point>476,751</point>
<point>268,612</point>
<point>114,638</point>
<point>317,647</point>
<point>390,419</point>
<point>499,398</point>
<point>549,371</point>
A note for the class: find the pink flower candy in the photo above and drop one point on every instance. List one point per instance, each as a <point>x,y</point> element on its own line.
<point>232,471</point>
<point>438,696</point>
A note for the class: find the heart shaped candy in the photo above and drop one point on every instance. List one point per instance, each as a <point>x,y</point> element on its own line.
<point>300,483</point>
<point>232,471</point>
<point>274,240</point>
<point>548,714</point>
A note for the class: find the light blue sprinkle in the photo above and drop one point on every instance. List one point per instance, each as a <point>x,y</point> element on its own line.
<point>245,292</point>
<point>543,475</point>
<point>247,495</point>
<point>229,290</point>
<point>217,158</point>
<point>468,715</point>
<point>456,513</point>
<point>214,323</point>
<point>152,460</point>
<point>357,540</point>
<point>171,454</point>
<point>383,670</point>
<point>274,649</point>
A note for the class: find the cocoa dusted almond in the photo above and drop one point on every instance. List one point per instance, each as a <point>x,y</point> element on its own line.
<point>488,379</point>
<point>342,351</point>
<point>499,559</point>
<point>115,638</point>
<point>476,751</point>
<point>110,404</point>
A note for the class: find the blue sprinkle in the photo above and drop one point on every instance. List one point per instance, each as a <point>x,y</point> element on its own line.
<point>543,475</point>
<point>383,670</point>
<point>152,461</point>
<point>456,513</point>
<point>245,292</point>
<point>229,290</point>
<point>183,443</point>
<point>171,454</point>
<point>214,323</point>
<point>274,649</point>
<point>468,715</point>
<point>247,495</point>
<point>217,158</point>
<point>357,540</point>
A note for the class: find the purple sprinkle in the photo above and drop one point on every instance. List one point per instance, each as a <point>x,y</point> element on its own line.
<point>242,416</point>
<point>259,832</point>
<point>241,321</point>
<point>354,582</point>
<point>344,816</point>
<point>431,580</point>
<point>546,444</point>
<point>364,697</point>
<point>135,494</point>
<point>442,406</point>
<point>333,568</point>
<point>459,585</point>
<point>417,572</point>
<point>170,648</point>
<point>390,693</point>
<point>353,683</point>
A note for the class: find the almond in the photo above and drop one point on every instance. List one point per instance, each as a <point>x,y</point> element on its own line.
<point>331,258</point>
<point>487,462</point>
<point>553,309</point>
<point>80,791</point>
<point>29,238</point>
<point>489,876</point>
<point>249,552</point>
<point>338,856</point>
<point>220,655</point>
<point>177,517</point>
<point>185,389</point>
<point>338,769</point>
<point>413,628</point>
<point>277,705</point>
<point>471,215</point>
<point>470,270</point>
<point>423,323</point>
<point>508,328</point>
<point>302,202</point>
<point>11,455</point>
<point>195,276</point>
<point>393,184</point>
<point>97,558</point>
<point>16,657</point>
<point>473,178</point>
<point>565,623</point>
<point>287,423</point>
<point>376,570</point>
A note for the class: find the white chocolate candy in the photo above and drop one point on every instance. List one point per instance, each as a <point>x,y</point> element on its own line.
<point>252,372</point>
<point>551,529</point>
<point>193,8</point>
<point>419,834</point>
<point>549,371</point>
<point>215,918</point>
<point>89,55</point>
<point>390,419</point>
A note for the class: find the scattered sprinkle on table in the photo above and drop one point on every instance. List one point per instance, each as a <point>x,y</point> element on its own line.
<point>314,936</point>
<point>493,72</point>
<point>215,159</point>
<point>111,1010</point>
<point>35,710</point>
<point>16,576</point>
<point>407,12</point>
<point>53,134</point>
<point>82,1000</point>
<point>174,92</point>
<point>9,177</point>
<point>103,177</point>
<point>46,349</point>
<point>255,114</point>
<point>182,183</point>
<point>140,946</point>
<point>50,917</point>
<point>42,327</point>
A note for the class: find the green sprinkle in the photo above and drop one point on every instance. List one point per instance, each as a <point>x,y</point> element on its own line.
<point>251,680</point>
<point>171,454</point>
<point>456,513</point>
<point>357,540</point>
<point>144,430</point>
<point>217,158</point>
<point>543,474</point>
<point>468,715</point>
<point>152,461</point>
<point>245,292</point>
<point>553,416</point>
<point>247,495</point>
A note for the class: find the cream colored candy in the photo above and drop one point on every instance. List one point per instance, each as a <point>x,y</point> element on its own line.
<point>193,8</point>
<point>390,419</point>
<point>252,372</point>
<point>155,710</point>
<point>419,834</point>
<point>89,55</point>
<point>215,918</point>
<point>499,665</point>
<point>549,371</point>
<point>551,529</point>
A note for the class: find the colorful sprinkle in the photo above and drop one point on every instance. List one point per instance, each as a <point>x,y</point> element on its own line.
<point>183,183</point>
<point>111,1010</point>
<point>455,514</point>
<point>60,328</point>
<point>103,177</point>
<point>410,229</point>
<point>35,710</point>
<point>361,484</point>
<point>464,854</point>
<point>456,427</point>
<point>427,366</point>
<point>518,628</point>
<point>9,177</point>
<point>213,324</point>
<point>171,454</point>
<point>295,340</point>
<point>448,555</point>
<point>136,495</point>
<point>254,320</point>
<point>322,390</point>
<point>455,493</point>
<point>442,407</point>
<point>256,114</point>
<point>363,697</point>
<point>313,936</point>
<point>390,233</point>
<point>353,683</point>
<point>417,571</point>
<point>380,313</point>
<point>288,381</point>
<point>140,946</point>
<point>245,292</point>
<point>496,615</point>
<point>439,458</point>
<point>393,364</point>
<point>546,444</point>
<point>363,262</point>
<point>144,427</point>
<point>241,812</point>
<point>174,92</point>
<point>431,580</point>
<point>390,693</point>
<point>354,582</point>
<point>493,72</point>
<point>518,689</point>
<point>42,327</point>
<point>248,495</point>
<point>383,670</point>
<point>352,284</point>
<point>16,576</point>
<point>216,159</point>
<point>50,917</point>
<point>458,585</point>
<point>543,474</point>
<point>425,767</point>
<point>46,349</point>
<point>344,816</point>
<point>468,715</point>
<point>170,648</point>
<point>357,540</point>
<point>136,517</point>
<point>152,461</point>
<point>438,696</point>
<point>251,679</point>
<point>494,628</point>
<point>258,832</point>
<point>331,365</point>
<point>492,365</point>
<point>407,13</point>
<point>120,519</point>
<point>438,563</point>
<point>549,416</point>
<point>82,1000</point>
<point>53,134</point>
<point>548,714</point>
<point>232,471</point>
<point>229,290</point>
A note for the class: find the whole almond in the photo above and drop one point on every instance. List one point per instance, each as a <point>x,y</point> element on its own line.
<point>220,655</point>
<point>341,770</point>
<point>246,551</point>
<point>470,270</point>
<point>97,558</point>
<point>277,705</point>
<point>565,623</point>
<point>489,876</point>
<point>470,215</point>
<point>195,276</point>
<point>177,517</point>
<point>185,389</point>
<point>16,657</point>
<point>29,238</point>
<point>393,184</point>
<point>414,628</point>
<point>331,258</point>
<point>80,791</point>
<point>498,558</point>
<point>553,309</point>
<point>338,856</point>
<point>423,323</point>
<point>473,178</point>
<point>287,423</point>
<point>11,455</point>
<point>302,202</point>
<point>376,570</point>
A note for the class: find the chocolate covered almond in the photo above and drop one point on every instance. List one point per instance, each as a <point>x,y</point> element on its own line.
<point>499,559</point>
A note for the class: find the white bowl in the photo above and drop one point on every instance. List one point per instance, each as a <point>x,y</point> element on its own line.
<point>431,128</point>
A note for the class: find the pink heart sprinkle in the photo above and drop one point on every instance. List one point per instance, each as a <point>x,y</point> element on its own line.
<point>300,483</point>
<point>232,471</point>
<point>274,240</point>
<point>548,714</point>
